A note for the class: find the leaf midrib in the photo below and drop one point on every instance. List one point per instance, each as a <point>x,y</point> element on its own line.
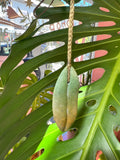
<point>99,114</point>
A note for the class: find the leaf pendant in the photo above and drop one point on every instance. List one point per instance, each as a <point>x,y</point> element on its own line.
<point>65,99</point>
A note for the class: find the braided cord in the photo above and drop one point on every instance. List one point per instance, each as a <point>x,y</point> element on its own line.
<point>70,37</point>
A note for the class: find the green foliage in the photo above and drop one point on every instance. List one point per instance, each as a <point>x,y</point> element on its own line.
<point>43,97</point>
<point>95,121</point>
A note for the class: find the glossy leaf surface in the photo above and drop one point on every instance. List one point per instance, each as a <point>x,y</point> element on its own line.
<point>95,121</point>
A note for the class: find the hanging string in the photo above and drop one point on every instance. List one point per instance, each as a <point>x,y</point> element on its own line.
<point>70,37</point>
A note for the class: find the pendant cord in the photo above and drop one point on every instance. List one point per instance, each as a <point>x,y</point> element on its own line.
<point>70,37</point>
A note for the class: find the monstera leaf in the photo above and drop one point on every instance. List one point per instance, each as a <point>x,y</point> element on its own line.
<point>98,103</point>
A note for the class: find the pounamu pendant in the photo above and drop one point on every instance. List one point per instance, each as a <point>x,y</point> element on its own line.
<point>65,99</point>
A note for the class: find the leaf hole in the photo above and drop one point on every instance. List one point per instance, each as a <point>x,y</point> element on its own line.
<point>85,78</point>
<point>104,9</point>
<point>37,154</point>
<point>68,135</point>
<point>51,66</point>
<point>84,4</point>
<point>103,37</point>
<point>93,38</point>
<point>105,24</point>
<point>118,32</point>
<point>23,139</point>
<point>49,46</point>
<point>91,102</point>
<point>83,40</point>
<point>51,121</point>
<point>116,131</point>
<point>60,25</point>
<point>90,76</point>
<point>100,155</point>
<point>100,53</point>
<point>92,55</point>
<point>112,110</point>
<point>57,65</point>
<point>97,74</point>
<point>80,91</point>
